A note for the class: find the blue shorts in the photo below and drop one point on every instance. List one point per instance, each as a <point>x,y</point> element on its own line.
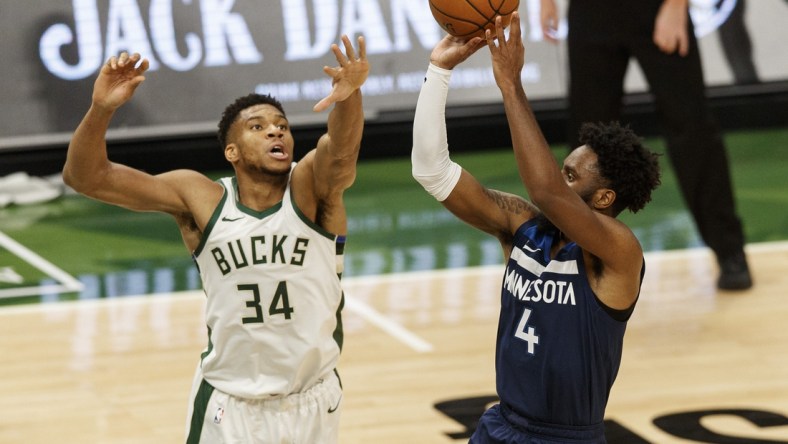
<point>500,425</point>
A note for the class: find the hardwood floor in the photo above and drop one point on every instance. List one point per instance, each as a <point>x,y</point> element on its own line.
<point>699,365</point>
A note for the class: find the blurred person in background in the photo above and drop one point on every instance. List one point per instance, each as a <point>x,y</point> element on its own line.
<point>603,35</point>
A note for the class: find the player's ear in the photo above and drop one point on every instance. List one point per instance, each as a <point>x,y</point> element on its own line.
<point>231,152</point>
<point>604,198</point>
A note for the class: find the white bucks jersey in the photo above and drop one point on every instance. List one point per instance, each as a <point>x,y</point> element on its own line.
<point>272,281</point>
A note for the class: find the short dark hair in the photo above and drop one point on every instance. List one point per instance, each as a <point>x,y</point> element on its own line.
<point>231,112</point>
<point>631,169</point>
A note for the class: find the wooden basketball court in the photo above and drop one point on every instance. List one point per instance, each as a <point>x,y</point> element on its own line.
<point>699,365</point>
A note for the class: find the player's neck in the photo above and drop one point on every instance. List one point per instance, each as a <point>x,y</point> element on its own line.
<point>559,242</point>
<point>261,195</point>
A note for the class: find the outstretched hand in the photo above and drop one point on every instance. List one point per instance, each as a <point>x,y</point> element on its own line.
<point>451,51</point>
<point>118,79</point>
<point>508,56</point>
<point>348,76</point>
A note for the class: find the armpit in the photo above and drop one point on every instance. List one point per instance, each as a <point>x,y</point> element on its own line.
<point>186,222</point>
<point>190,232</point>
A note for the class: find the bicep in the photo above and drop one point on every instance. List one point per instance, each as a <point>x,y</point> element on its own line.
<point>492,211</point>
<point>140,191</point>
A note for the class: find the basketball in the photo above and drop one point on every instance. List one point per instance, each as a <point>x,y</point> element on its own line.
<point>469,18</point>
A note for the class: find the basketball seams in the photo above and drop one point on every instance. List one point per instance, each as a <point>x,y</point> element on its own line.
<point>498,10</point>
<point>487,19</point>
<point>471,8</point>
<point>462,19</point>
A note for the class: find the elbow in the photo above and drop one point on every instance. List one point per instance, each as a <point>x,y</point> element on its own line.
<point>73,180</point>
<point>344,179</point>
<point>69,179</point>
<point>82,183</point>
<point>414,171</point>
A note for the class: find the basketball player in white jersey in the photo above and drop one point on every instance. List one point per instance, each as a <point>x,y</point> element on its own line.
<point>268,243</point>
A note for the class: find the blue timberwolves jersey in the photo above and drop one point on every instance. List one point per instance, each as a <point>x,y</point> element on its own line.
<point>558,350</point>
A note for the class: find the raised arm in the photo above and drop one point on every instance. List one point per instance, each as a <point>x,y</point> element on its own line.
<point>337,151</point>
<point>88,169</point>
<point>491,211</point>
<point>327,171</point>
<point>599,234</point>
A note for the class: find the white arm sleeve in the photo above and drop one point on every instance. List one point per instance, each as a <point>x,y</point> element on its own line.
<point>432,167</point>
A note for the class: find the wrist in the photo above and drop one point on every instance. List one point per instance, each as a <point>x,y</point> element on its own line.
<point>509,86</point>
<point>441,65</point>
<point>98,109</point>
<point>439,70</point>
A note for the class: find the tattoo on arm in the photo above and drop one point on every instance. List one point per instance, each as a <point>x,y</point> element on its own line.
<point>508,202</point>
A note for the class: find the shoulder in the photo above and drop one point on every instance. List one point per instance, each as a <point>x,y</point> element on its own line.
<point>183,177</point>
<point>186,175</point>
<point>302,173</point>
<point>200,193</point>
<point>616,282</point>
<point>190,183</point>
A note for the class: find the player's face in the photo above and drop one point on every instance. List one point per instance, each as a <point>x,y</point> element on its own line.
<point>581,174</point>
<point>262,139</point>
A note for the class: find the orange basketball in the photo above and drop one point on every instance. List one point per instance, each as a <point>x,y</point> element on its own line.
<point>469,18</point>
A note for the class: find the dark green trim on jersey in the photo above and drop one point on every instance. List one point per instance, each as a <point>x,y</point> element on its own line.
<point>214,217</point>
<point>249,211</point>
<point>201,399</point>
<point>336,372</point>
<point>209,349</point>
<point>339,332</point>
<point>340,250</point>
<point>311,224</point>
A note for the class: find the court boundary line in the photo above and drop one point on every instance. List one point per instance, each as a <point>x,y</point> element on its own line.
<point>369,314</point>
<point>366,312</point>
<point>67,282</point>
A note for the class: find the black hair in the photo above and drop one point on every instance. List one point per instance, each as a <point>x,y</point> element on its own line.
<point>630,169</point>
<point>232,110</point>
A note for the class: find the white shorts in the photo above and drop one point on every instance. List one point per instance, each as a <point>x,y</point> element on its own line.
<point>310,417</point>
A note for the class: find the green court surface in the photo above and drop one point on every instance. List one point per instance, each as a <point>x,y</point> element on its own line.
<point>76,248</point>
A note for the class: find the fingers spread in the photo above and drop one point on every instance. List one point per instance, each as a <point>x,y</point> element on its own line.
<point>514,24</point>
<point>351,53</point>
<point>362,48</point>
<point>341,59</point>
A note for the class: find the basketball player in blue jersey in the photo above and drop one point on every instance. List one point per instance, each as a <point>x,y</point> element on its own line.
<point>268,243</point>
<point>573,271</point>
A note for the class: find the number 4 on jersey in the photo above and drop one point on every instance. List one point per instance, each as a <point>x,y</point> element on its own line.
<point>528,336</point>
